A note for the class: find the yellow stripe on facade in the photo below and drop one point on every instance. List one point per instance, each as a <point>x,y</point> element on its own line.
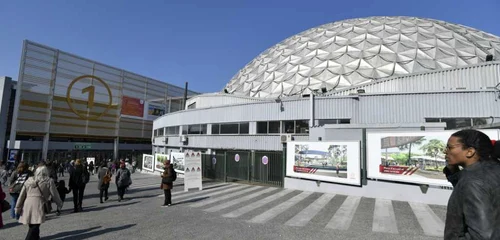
<point>77,101</point>
<point>81,126</point>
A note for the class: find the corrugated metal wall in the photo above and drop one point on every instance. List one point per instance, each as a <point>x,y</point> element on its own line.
<point>214,100</point>
<point>413,108</point>
<point>476,77</point>
<point>255,142</point>
<point>42,110</point>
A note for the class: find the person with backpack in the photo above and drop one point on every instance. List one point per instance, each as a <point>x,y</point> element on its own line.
<point>16,183</point>
<point>78,179</point>
<point>123,180</point>
<point>104,175</point>
<point>167,182</point>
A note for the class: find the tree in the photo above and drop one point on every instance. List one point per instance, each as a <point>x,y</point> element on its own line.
<point>409,146</point>
<point>433,148</point>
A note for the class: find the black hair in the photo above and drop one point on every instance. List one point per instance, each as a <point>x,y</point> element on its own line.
<point>471,138</point>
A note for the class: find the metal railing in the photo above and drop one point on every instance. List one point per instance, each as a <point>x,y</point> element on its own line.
<point>248,166</point>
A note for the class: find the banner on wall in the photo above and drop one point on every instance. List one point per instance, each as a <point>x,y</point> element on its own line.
<point>132,107</point>
<point>160,161</point>
<point>155,110</point>
<point>177,159</point>
<point>414,157</point>
<point>337,162</point>
<point>13,155</point>
<point>147,162</point>
<point>192,170</point>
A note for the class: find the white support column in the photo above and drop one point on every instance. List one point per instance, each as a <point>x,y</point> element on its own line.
<point>19,87</point>
<point>311,102</point>
<point>46,137</point>
<point>115,148</point>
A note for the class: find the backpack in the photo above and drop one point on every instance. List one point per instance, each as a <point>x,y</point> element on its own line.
<point>84,178</point>
<point>124,178</point>
<point>174,175</point>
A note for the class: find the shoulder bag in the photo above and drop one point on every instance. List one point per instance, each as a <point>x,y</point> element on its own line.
<point>47,206</point>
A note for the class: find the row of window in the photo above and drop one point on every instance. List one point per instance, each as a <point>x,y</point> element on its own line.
<point>454,123</point>
<point>266,127</point>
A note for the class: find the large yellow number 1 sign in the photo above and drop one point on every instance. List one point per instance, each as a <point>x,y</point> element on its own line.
<point>91,90</point>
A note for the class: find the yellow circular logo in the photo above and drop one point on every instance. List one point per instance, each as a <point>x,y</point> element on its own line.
<point>90,90</point>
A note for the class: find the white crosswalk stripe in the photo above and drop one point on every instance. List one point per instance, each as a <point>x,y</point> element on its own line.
<point>202,194</point>
<point>384,219</point>
<point>240,200</point>
<point>302,218</point>
<point>344,215</point>
<point>275,211</point>
<point>255,205</point>
<point>206,188</point>
<point>227,196</point>
<point>428,220</point>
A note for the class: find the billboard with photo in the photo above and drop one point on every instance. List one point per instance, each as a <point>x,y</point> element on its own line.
<point>159,162</point>
<point>414,157</point>
<point>178,160</point>
<point>147,162</point>
<point>155,110</point>
<point>336,162</point>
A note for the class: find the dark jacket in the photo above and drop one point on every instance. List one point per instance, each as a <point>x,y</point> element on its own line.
<point>76,179</point>
<point>474,206</point>
<point>168,174</point>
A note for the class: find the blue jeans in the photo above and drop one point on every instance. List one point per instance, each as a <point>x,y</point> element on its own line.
<point>13,202</point>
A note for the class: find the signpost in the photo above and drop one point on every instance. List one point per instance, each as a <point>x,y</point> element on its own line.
<point>192,170</point>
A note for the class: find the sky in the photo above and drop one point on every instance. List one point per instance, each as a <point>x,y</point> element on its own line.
<point>202,42</point>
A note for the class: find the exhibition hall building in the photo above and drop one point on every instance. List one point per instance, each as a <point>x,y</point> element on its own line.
<point>65,107</point>
<point>380,82</point>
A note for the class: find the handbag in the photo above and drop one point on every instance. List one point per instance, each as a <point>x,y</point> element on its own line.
<point>47,206</point>
<point>5,206</point>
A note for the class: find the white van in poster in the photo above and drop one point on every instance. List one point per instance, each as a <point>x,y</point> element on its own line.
<point>177,159</point>
<point>147,162</point>
<point>337,162</point>
<point>414,157</point>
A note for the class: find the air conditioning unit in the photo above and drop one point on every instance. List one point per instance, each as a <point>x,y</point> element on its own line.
<point>286,138</point>
<point>165,141</point>
<point>183,138</point>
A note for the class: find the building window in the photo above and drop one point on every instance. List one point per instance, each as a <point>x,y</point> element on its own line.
<point>274,127</point>
<point>456,123</point>
<point>302,127</point>
<point>288,126</point>
<point>161,132</point>
<point>194,129</point>
<point>155,133</point>
<point>232,128</point>
<point>262,127</point>
<point>192,106</point>
<point>215,128</point>
<point>244,128</point>
<point>169,131</point>
<point>322,122</point>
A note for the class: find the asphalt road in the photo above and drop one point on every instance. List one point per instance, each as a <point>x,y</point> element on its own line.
<point>234,211</point>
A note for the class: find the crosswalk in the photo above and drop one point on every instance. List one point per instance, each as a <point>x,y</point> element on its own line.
<point>261,205</point>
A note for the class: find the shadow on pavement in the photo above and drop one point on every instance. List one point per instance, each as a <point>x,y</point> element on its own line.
<point>94,209</point>
<point>85,233</point>
<point>190,201</point>
<point>11,224</point>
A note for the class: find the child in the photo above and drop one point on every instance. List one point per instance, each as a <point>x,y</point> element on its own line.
<point>61,188</point>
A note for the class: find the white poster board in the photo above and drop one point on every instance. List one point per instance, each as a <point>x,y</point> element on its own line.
<point>192,170</point>
<point>414,157</point>
<point>177,159</point>
<point>337,162</point>
<point>160,161</point>
<point>90,159</point>
<point>147,162</point>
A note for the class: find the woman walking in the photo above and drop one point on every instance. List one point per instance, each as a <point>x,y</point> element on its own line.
<point>16,182</point>
<point>104,176</point>
<point>474,205</point>
<point>78,179</point>
<point>167,183</point>
<point>123,180</point>
<point>36,192</point>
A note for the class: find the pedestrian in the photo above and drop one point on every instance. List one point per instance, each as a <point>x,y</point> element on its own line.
<point>474,205</point>
<point>31,203</point>
<point>16,182</point>
<point>62,190</point>
<point>104,175</point>
<point>3,175</point>
<point>60,169</point>
<point>167,182</point>
<point>2,197</point>
<point>91,167</point>
<point>134,165</point>
<point>123,180</point>
<point>78,179</point>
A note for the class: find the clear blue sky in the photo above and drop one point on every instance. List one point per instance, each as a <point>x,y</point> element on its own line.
<point>202,42</point>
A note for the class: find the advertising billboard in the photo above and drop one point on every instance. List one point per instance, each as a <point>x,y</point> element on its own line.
<point>147,162</point>
<point>414,157</point>
<point>155,110</point>
<point>178,160</point>
<point>159,162</point>
<point>336,162</point>
<point>132,107</point>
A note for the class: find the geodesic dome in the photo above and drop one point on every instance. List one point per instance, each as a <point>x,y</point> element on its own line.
<point>356,51</point>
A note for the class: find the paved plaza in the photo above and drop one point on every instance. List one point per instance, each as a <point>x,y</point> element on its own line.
<point>235,211</point>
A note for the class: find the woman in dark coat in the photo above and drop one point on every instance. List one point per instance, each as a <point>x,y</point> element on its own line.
<point>167,183</point>
<point>78,179</point>
<point>104,176</point>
